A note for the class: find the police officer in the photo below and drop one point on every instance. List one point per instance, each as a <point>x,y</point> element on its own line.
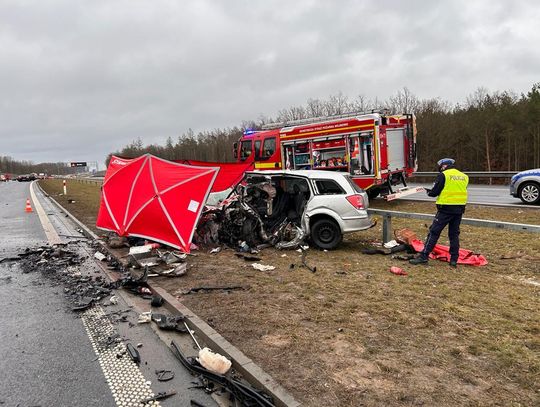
<point>450,188</point>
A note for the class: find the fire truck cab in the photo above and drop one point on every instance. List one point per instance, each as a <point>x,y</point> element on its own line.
<point>377,150</point>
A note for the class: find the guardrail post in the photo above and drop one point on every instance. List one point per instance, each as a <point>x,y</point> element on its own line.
<point>387,228</point>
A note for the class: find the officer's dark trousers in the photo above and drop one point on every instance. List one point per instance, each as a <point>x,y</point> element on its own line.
<point>441,220</point>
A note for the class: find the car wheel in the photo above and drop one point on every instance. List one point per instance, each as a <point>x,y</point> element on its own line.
<point>529,193</point>
<point>326,234</point>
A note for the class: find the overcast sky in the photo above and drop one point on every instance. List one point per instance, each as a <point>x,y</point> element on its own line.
<point>79,79</point>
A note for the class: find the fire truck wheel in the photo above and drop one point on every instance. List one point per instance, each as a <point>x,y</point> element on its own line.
<point>529,193</point>
<point>326,234</point>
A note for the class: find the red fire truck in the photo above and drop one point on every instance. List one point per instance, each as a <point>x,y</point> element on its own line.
<point>378,150</point>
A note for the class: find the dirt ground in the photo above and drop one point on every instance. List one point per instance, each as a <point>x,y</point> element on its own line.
<point>354,334</point>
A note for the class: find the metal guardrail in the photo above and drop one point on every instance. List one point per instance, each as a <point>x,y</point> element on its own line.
<point>387,222</point>
<point>96,181</point>
<point>474,174</point>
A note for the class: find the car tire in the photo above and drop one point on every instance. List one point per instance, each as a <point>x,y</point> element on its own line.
<point>529,193</point>
<point>326,234</point>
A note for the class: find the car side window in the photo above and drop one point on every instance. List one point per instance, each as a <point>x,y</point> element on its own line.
<point>328,187</point>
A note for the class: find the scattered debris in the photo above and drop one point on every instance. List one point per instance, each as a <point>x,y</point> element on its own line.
<point>133,353</point>
<point>262,267</point>
<point>164,375</point>
<point>147,248</point>
<point>113,300</point>
<point>100,256</point>
<point>177,271</point>
<point>385,250</point>
<point>169,322</point>
<point>205,288</point>
<point>61,266</point>
<point>144,291</point>
<point>215,250</point>
<point>406,257</point>
<point>158,396</point>
<point>171,257</point>
<point>405,236</point>
<point>214,362</point>
<point>83,304</point>
<point>390,244</point>
<point>156,301</point>
<point>398,271</point>
<point>116,242</point>
<point>148,262</point>
<point>144,318</point>
<point>190,331</point>
<point>242,392</point>
<point>304,263</point>
<point>247,257</point>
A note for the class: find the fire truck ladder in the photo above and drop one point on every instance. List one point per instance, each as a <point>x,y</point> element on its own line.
<point>300,122</point>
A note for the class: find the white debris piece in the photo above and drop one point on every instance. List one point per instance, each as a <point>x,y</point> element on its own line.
<point>215,250</point>
<point>147,248</point>
<point>100,256</point>
<point>113,300</point>
<point>148,262</point>
<point>144,318</point>
<point>390,244</point>
<point>214,361</point>
<point>262,267</point>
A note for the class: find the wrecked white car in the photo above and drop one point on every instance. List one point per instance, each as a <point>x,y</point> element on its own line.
<point>284,208</point>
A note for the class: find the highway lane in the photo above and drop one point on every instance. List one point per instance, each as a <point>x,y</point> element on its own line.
<point>47,352</point>
<point>496,195</point>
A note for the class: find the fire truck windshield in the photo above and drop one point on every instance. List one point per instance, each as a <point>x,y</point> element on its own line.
<point>245,149</point>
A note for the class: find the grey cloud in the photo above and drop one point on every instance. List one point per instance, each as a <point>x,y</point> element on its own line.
<point>80,79</point>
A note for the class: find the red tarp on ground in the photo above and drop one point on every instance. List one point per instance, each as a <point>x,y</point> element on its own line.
<point>154,199</point>
<point>441,252</point>
<point>229,175</point>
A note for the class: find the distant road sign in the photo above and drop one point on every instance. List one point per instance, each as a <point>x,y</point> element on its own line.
<point>78,164</point>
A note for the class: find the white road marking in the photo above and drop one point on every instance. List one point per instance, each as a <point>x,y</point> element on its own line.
<point>124,378</point>
<point>50,232</point>
<point>127,384</point>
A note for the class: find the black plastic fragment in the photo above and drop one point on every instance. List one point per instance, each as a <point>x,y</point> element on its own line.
<point>169,322</point>
<point>164,375</point>
<point>159,396</point>
<point>156,301</point>
<point>133,353</point>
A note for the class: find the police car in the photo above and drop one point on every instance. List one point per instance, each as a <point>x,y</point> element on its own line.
<point>525,185</point>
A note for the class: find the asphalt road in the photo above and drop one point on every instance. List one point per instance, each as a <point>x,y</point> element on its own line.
<point>47,356</point>
<point>480,194</point>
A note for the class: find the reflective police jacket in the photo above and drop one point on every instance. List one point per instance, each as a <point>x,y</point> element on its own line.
<point>450,188</point>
